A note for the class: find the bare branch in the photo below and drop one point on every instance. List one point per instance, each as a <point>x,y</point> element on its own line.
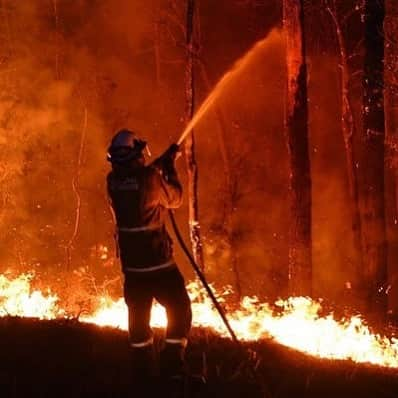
<point>75,187</point>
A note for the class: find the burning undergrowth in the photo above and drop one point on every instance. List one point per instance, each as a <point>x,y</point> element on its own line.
<point>297,322</point>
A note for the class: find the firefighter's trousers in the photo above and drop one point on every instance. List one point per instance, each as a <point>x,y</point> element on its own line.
<point>168,288</point>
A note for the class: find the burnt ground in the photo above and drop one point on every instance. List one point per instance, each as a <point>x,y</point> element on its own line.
<point>68,359</point>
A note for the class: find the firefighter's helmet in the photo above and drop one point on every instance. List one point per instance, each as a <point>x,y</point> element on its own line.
<point>125,146</point>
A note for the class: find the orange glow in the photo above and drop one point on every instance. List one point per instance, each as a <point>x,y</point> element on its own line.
<point>296,323</point>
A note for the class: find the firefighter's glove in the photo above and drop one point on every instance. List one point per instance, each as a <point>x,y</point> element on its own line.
<point>172,152</point>
<point>166,161</point>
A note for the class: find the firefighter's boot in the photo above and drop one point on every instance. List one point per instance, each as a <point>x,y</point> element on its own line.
<point>172,367</point>
<point>143,369</point>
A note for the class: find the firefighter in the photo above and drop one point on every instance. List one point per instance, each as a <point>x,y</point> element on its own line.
<point>140,195</point>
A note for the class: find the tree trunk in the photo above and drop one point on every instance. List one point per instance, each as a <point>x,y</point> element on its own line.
<point>296,119</point>
<point>391,108</point>
<point>391,92</point>
<point>349,131</point>
<point>371,162</point>
<point>192,167</point>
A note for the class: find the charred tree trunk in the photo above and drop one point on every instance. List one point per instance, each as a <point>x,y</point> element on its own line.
<point>391,91</point>
<point>192,167</point>
<point>349,131</point>
<point>391,109</point>
<point>371,162</point>
<point>296,119</point>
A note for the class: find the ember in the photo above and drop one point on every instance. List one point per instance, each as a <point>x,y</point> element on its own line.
<point>296,324</point>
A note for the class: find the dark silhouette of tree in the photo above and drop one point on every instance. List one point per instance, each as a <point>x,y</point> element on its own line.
<point>192,167</point>
<point>391,116</point>
<point>371,162</point>
<point>300,251</point>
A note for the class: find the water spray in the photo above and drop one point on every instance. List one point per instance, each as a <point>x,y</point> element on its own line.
<point>221,85</point>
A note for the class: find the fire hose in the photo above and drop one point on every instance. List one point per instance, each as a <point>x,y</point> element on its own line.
<point>202,278</point>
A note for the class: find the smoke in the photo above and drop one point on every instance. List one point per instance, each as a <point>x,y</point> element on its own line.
<point>70,76</point>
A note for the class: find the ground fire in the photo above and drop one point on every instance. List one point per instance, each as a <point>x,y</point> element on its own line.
<point>294,322</point>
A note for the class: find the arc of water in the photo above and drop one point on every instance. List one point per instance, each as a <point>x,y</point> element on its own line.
<point>225,80</point>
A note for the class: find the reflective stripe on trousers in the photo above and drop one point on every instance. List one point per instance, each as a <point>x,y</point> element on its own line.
<point>150,269</point>
<point>182,342</point>
<point>142,344</point>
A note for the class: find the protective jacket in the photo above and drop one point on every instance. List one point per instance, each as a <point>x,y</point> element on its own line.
<point>140,196</point>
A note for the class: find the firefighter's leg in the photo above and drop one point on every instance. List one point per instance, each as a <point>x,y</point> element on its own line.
<point>139,302</point>
<point>172,294</point>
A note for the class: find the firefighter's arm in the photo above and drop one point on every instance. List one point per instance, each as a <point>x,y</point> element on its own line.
<point>171,189</point>
<point>170,186</point>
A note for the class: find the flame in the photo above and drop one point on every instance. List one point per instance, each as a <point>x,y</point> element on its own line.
<point>17,299</point>
<point>296,323</point>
